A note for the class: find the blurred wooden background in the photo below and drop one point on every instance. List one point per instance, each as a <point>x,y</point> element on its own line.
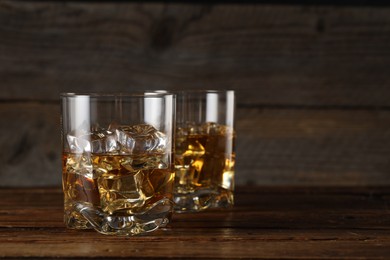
<point>312,81</point>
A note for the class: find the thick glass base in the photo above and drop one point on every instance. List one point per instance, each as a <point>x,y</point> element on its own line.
<point>83,215</point>
<point>202,199</point>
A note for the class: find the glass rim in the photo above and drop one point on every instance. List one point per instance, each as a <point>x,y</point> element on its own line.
<point>146,93</point>
<point>203,91</point>
<point>196,93</point>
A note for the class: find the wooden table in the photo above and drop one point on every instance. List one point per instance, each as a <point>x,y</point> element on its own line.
<point>267,222</point>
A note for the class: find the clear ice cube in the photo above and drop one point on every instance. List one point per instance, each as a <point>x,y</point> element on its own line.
<point>100,141</point>
<point>104,141</point>
<point>80,164</point>
<point>210,128</point>
<point>141,139</point>
<point>124,192</point>
<point>78,144</point>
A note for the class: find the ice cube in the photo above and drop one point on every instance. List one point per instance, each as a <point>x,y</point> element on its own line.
<point>211,128</point>
<point>141,139</point>
<point>194,148</point>
<point>80,164</point>
<point>216,129</point>
<point>124,191</point>
<point>193,129</point>
<point>156,161</point>
<point>78,144</point>
<point>100,141</point>
<point>104,141</point>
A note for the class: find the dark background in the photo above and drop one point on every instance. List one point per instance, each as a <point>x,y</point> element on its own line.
<point>312,81</point>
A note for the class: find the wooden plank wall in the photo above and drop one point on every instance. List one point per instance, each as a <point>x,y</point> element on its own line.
<point>312,81</point>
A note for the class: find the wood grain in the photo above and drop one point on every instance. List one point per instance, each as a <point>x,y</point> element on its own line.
<point>313,147</point>
<point>266,222</point>
<point>274,146</point>
<point>311,80</point>
<point>286,54</point>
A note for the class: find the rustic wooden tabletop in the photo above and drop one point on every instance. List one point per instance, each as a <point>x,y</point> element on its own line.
<point>266,222</point>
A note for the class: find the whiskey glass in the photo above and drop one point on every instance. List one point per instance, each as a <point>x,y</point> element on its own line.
<point>117,170</point>
<point>204,150</point>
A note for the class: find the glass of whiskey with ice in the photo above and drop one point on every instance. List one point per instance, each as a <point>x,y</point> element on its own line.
<point>204,150</point>
<point>117,169</point>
